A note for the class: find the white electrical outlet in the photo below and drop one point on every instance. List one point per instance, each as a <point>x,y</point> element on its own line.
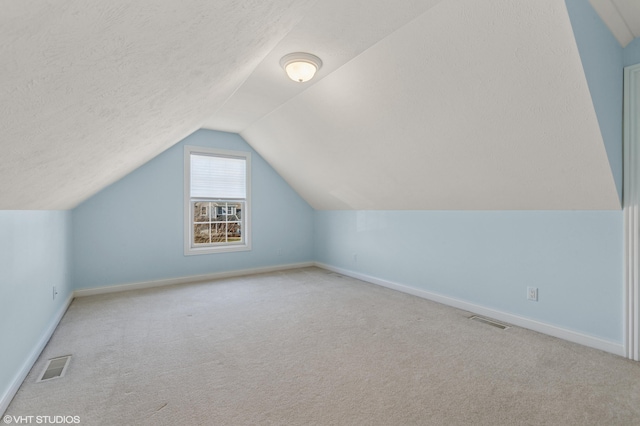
<point>355,258</point>
<point>532,293</point>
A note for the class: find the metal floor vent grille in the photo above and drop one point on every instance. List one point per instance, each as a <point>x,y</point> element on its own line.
<point>489,322</point>
<point>55,368</point>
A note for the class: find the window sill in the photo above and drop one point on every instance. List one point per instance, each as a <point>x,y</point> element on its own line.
<point>190,251</point>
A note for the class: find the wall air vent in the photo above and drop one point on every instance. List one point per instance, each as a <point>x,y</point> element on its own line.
<point>489,322</point>
<point>55,368</point>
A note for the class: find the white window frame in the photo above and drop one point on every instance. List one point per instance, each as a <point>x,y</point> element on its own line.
<point>189,249</point>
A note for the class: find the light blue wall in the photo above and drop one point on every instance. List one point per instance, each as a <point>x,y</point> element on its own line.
<point>631,53</point>
<point>601,56</point>
<point>132,231</point>
<point>489,259</point>
<point>35,256</point>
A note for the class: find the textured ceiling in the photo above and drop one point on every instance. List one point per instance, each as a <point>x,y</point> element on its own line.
<point>91,90</point>
<point>336,31</point>
<point>438,104</point>
<point>472,105</point>
<point>621,16</point>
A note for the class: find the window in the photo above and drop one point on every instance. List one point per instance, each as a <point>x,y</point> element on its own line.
<point>217,187</point>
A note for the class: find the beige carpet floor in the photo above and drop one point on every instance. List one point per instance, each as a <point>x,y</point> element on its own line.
<point>309,347</point>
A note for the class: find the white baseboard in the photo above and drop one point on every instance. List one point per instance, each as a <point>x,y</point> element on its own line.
<point>5,400</point>
<point>188,279</point>
<point>551,330</point>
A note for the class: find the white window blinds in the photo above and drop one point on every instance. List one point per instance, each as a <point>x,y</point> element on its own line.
<point>218,177</point>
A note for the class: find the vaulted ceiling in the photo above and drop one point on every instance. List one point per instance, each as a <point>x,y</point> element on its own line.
<point>437,104</point>
<point>90,90</point>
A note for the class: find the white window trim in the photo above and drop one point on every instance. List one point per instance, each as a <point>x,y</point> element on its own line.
<point>188,228</point>
<point>631,207</point>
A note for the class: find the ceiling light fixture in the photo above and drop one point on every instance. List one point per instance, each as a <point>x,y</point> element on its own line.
<point>300,66</point>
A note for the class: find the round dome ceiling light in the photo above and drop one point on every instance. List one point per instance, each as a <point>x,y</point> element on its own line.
<point>300,67</point>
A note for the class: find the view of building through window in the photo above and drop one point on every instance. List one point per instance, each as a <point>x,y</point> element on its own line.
<point>217,222</point>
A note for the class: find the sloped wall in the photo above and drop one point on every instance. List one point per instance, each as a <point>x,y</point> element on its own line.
<point>132,231</point>
<point>489,258</point>
<point>601,56</point>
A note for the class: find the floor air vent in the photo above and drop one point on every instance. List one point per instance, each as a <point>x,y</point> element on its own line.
<point>55,368</point>
<point>489,322</point>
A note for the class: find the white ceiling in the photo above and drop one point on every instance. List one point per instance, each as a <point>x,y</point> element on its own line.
<point>92,89</point>
<point>438,104</point>
<point>461,108</point>
<point>335,30</point>
<point>621,16</point>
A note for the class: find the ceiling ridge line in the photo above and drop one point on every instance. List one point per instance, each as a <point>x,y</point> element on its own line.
<point>239,86</point>
<point>248,127</point>
<point>624,21</point>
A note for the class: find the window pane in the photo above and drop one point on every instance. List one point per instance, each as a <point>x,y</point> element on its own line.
<point>201,211</point>
<point>234,211</point>
<point>234,232</point>
<point>201,234</point>
<point>217,212</point>
<point>225,211</point>
<point>219,233</point>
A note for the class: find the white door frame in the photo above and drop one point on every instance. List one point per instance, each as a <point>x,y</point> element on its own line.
<point>631,192</point>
